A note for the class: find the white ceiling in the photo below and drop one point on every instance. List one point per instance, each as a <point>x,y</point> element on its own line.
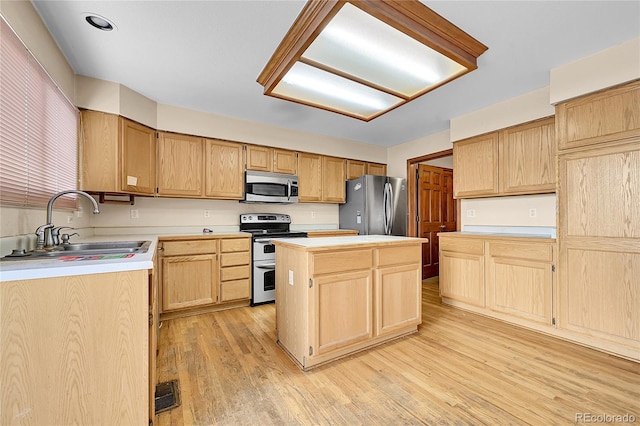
<point>206,55</point>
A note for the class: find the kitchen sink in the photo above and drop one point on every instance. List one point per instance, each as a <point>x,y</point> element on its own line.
<point>84,249</point>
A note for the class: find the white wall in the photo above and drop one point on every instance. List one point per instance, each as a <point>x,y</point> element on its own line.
<point>398,155</point>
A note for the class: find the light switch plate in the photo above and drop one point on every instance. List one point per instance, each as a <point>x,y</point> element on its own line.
<point>290,277</point>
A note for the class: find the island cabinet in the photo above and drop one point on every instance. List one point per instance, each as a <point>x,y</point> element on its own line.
<point>204,274</point>
<point>339,295</point>
<point>116,154</point>
<point>506,277</point>
<point>75,350</point>
<point>516,160</point>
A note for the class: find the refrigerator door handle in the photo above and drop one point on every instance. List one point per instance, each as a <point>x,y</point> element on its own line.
<point>388,208</point>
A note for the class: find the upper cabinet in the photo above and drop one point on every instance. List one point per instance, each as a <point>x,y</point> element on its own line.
<point>528,158</point>
<point>224,171</point>
<point>610,115</point>
<point>356,168</point>
<point>180,165</point>
<point>475,166</point>
<point>116,154</point>
<point>516,160</point>
<point>321,178</point>
<point>265,159</point>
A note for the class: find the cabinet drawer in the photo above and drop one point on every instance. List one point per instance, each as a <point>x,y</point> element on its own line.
<point>398,255</point>
<point>235,259</point>
<point>235,272</point>
<point>236,289</point>
<point>176,248</point>
<point>341,261</point>
<point>530,251</point>
<point>239,244</point>
<point>462,245</point>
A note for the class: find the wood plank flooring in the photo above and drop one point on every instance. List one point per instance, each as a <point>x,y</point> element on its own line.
<point>460,368</point>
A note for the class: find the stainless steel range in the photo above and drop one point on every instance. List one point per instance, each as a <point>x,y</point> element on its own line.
<point>265,227</point>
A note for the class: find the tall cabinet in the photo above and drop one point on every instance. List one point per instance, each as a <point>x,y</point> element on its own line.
<point>599,218</point>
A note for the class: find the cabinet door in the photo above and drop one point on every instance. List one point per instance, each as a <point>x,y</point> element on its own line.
<point>189,281</point>
<point>398,298</point>
<point>376,169</point>
<point>309,177</point>
<point>475,165</point>
<point>285,161</point>
<point>342,303</point>
<point>333,179</point>
<point>520,280</point>
<point>528,158</point>
<point>223,170</point>
<point>462,270</point>
<point>138,158</point>
<point>355,169</point>
<point>259,158</point>
<point>180,165</point>
<point>610,115</point>
<point>99,159</point>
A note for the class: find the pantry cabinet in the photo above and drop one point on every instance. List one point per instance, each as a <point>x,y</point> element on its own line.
<point>266,159</point>
<point>116,154</point>
<point>224,171</point>
<point>180,165</point>
<point>599,219</point>
<point>204,274</point>
<point>516,160</point>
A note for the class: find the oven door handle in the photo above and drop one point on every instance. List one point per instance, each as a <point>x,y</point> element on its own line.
<point>267,266</point>
<point>262,240</point>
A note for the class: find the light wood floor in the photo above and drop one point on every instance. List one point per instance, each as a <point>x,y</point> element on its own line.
<point>460,368</point>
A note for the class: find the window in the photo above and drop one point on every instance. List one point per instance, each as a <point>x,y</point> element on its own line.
<point>38,130</point>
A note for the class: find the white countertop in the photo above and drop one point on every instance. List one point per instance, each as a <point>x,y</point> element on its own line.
<point>345,241</point>
<point>53,267</point>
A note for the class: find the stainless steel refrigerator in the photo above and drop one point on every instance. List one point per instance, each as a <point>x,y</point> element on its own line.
<point>376,205</point>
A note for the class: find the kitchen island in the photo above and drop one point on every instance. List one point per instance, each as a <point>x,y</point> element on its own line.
<point>336,296</point>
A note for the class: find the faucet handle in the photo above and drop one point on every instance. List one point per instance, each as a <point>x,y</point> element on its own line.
<point>55,233</point>
<point>40,232</point>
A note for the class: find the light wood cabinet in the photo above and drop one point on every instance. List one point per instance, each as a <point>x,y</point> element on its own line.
<point>356,168</point>
<point>517,160</point>
<point>180,165</point>
<point>475,165</point>
<point>189,274</point>
<point>609,115</point>
<point>116,155</point>
<point>75,350</point>
<point>462,270</point>
<point>309,177</point>
<point>528,158</point>
<point>332,300</point>
<point>235,269</point>
<point>200,275</point>
<point>266,159</point>
<point>332,233</point>
<point>333,179</point>
<point>519,279</point>
<point>224,172</point>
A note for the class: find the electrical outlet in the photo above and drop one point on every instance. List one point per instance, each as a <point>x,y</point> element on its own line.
<point>313,215</point>
<point>135,214</point>
<point>207,213</point>
<point>69,219</point>
<point>471,213</point>
<point>532,212</point>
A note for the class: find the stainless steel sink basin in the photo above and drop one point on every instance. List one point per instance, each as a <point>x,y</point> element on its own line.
<point>85,249</point>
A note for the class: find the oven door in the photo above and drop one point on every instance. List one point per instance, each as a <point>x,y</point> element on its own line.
<point>264,281</point>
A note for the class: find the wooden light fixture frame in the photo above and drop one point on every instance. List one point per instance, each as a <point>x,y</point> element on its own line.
<point>408,16</point>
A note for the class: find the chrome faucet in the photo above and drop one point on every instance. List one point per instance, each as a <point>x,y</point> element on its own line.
<point>44,232</point>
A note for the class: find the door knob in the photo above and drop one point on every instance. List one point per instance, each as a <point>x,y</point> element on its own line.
<point>443,226</point>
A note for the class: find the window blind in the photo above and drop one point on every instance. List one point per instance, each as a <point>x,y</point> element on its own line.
<point>38,130</point>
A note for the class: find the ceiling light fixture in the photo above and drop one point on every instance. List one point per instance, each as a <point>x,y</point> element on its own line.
<point>363,58</point>
<point>99,22</point>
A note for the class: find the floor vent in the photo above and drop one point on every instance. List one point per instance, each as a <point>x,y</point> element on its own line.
<point>167,396</point>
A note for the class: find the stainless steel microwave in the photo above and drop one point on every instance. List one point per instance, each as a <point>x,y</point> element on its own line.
<point>263,187</point>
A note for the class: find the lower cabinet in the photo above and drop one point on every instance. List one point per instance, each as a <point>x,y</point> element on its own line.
<point>336,301</point>
<point>201,274</point>
<point>508,278</point>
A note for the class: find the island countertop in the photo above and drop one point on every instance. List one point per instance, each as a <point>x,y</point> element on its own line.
<point>329,243</point>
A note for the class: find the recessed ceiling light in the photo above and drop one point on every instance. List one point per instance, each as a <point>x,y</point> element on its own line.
<point>99,22</point>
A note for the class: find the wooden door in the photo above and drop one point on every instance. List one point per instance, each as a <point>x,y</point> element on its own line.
<point>223,170</point>
<point>189,281</point>
<point>462,272</point>
<point>259,158</point>
<point>475,161</point>
<point>180,165</point>
<point>285,161</point>
<point>436,212</point>
<point>333,180</point>
<point>355,169</point>
<point>309,177</point>
<point>138,151</point>
<point>376,169</point>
